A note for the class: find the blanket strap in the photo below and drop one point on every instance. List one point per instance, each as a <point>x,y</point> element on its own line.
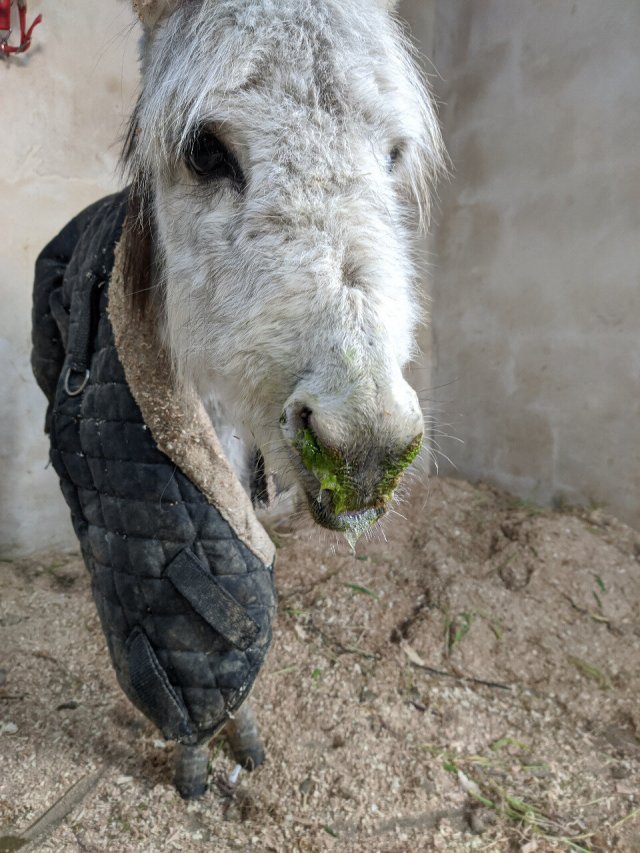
<point>150,682</point>
<point>80,335</point>
<point>209,599</point>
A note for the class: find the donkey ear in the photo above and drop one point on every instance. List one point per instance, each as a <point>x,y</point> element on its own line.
<point>151,11</point>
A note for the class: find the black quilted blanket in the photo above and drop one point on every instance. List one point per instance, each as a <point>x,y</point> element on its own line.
<point>185,605</point>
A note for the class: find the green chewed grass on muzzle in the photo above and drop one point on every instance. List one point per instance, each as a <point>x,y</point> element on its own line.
<point>329,468</point>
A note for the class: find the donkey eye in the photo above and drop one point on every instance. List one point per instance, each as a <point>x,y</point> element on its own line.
<point>393,157</point>
<point>210,160</point>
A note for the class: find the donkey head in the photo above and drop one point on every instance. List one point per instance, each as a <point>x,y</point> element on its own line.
<point>279,148</point>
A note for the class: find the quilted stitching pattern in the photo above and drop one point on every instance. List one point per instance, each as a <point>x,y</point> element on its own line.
<point>133,510</point>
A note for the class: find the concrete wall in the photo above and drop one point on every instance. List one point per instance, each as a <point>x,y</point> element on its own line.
<point>536,285</point>
<point>62,110</point>
<point>419,20</point>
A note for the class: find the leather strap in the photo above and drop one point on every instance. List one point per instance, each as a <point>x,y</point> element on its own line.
<point>150,682</point>
<point>209,598</point>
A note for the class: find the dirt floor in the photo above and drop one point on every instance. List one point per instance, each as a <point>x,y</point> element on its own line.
<point>469,683</point>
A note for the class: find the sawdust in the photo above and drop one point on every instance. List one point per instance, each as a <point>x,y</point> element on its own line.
<point>471,683</point>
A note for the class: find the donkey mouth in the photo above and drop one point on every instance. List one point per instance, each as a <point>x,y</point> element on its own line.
<point>353,522</point>
<point>347,495</point>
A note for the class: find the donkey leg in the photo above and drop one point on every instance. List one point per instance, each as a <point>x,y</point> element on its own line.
<point>244,738</point>
<point>191,765</point>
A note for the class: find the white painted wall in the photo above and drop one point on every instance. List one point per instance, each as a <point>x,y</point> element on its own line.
<point>536,286</point>
<point>62,106</point>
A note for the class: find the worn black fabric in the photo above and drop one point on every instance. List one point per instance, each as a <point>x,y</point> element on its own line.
<point>186,644</point>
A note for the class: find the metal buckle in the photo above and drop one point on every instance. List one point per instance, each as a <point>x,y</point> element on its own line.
<point>81,386</point>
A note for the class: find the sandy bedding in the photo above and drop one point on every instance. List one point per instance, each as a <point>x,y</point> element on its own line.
<point>471,682</point>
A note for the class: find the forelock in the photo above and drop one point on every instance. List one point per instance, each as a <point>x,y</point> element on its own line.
<point>351,54</point>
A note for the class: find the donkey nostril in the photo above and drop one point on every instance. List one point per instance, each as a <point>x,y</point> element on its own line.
<point>305,416</point>
<point>296,418</point>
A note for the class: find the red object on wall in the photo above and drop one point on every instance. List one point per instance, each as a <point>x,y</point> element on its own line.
<point>5,27</point>
<point>5,14</point>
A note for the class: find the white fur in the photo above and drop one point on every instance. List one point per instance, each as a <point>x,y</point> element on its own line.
<point>301,288</point>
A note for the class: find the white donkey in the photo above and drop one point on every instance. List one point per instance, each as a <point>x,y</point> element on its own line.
<point>278,152</point>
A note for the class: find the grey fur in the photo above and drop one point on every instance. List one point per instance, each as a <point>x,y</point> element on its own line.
<point>298,290</point>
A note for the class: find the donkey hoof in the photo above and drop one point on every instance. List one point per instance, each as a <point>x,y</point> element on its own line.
<point>191,771</point>
<point>244,738</point>
<point>250,756</point>
<point>191,790</point>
